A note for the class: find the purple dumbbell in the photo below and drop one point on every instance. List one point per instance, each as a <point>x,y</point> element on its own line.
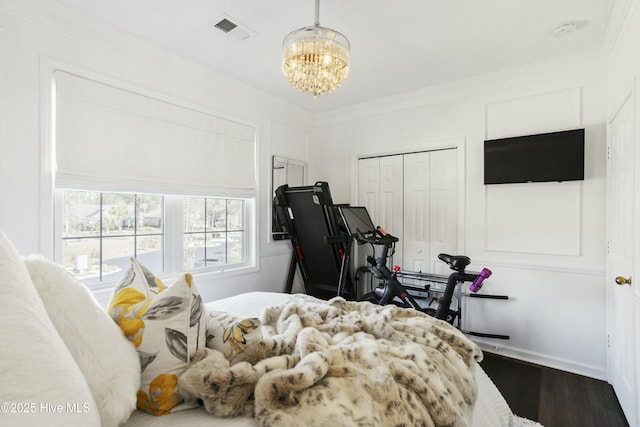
<point>477,284</point>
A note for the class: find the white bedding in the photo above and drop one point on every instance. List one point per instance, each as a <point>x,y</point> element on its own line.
<point>490,410</point>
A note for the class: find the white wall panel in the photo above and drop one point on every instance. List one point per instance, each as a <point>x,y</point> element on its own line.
<point>546,112</point>
<point>543,218</point>
<point>288,141</point>
<point>554,317</point>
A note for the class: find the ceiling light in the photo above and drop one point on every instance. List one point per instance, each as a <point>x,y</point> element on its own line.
<point>315,59</point>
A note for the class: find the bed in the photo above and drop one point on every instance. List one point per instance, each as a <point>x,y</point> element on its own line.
<point>489,410</point>
<point>56,333</point>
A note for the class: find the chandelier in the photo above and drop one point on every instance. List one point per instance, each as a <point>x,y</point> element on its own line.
<point>315,59</point>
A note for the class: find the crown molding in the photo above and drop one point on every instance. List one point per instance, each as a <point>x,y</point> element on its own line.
<point>618,23</point>
<point>570,64</point>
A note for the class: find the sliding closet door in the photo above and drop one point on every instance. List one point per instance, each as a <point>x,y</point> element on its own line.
<point>391,184</point>
<point>430,209</point>
<point>416,214</point>
<point>369,186</point>
<point>380,190</point>
<point>414,197</point>
<point>443,211</point>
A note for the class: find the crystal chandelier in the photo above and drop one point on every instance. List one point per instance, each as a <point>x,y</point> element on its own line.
<point>315,59</point>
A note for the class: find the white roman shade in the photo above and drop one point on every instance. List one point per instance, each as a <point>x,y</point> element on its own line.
<point>106,135</point>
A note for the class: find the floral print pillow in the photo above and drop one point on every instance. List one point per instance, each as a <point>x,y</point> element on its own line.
<point>166,325</point>
<point>231,334</point>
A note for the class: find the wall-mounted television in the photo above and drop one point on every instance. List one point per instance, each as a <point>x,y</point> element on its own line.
<point>545,157</point>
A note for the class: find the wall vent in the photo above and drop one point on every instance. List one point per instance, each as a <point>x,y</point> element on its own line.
<point>233,27</point>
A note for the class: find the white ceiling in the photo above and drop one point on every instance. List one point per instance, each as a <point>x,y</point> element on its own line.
<point>397,46</point>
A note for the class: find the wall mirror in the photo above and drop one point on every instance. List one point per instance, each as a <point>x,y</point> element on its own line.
<point>287,171</point>
<point>284,171</point>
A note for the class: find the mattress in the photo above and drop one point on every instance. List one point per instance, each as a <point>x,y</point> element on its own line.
<point>490,410</point>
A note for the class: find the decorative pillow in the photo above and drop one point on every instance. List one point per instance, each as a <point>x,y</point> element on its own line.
<point>41,383</point>
<point>167,326</point>
<point>109,363</point>
<point>231,334</point>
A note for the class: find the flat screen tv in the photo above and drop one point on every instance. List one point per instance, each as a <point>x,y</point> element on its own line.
<point>545,157</point>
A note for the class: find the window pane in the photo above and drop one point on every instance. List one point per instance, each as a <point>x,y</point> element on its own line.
<point>150,214</point>
<point>80,214</point>
<point>235,215</point>
<point>216,215</point>
<point>235,247</point>
<point>218,246</point>
<point>194,214</point>
<point>215,249</point>
<point>149,252</point>
<point>118,214</point>
<point>102,231</point>
<point>116,253</point>
<point>82,257</point>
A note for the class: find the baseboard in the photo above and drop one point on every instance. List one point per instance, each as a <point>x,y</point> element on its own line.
<point>586,370</point>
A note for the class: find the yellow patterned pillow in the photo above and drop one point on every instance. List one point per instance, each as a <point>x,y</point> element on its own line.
<point>167,326</point>
<point>231,334</point>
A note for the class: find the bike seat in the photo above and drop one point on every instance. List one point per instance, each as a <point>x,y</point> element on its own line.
<point>456,262</point>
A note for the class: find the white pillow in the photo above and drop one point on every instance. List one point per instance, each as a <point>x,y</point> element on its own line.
<point>167,326</point>
<point>41,383</point>
<point>108,361</point>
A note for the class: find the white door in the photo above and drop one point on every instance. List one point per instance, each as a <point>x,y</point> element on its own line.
<point>380,191</point>
<point>369,186</point>
<point>430,209</point>
<point>390,214</point>
<point>622,299</point>
<point>443,211</point>
<point>415,198</point>
<point>416,214</point>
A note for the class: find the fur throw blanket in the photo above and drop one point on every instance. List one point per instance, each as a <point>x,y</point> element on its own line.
<point>341,363</point>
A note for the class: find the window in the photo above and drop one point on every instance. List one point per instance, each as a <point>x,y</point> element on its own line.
<point>213,232</point>
<point>98,232</point>
<point>141,158</point>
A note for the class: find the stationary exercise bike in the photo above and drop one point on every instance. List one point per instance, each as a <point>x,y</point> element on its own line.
<point>392,291</point>
<point>358,224</point>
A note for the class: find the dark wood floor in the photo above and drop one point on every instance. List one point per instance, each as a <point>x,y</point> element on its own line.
<point>554,398</point>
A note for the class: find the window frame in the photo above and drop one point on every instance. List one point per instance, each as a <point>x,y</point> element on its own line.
<point>173,236</point>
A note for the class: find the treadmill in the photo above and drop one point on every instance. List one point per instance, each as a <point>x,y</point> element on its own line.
<point>307,217</point>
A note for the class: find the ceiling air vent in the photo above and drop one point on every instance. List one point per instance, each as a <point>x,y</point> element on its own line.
<point>226,25</point>
<point>231,26</point>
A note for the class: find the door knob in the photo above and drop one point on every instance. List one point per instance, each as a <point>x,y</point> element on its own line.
<point>623,281</point>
